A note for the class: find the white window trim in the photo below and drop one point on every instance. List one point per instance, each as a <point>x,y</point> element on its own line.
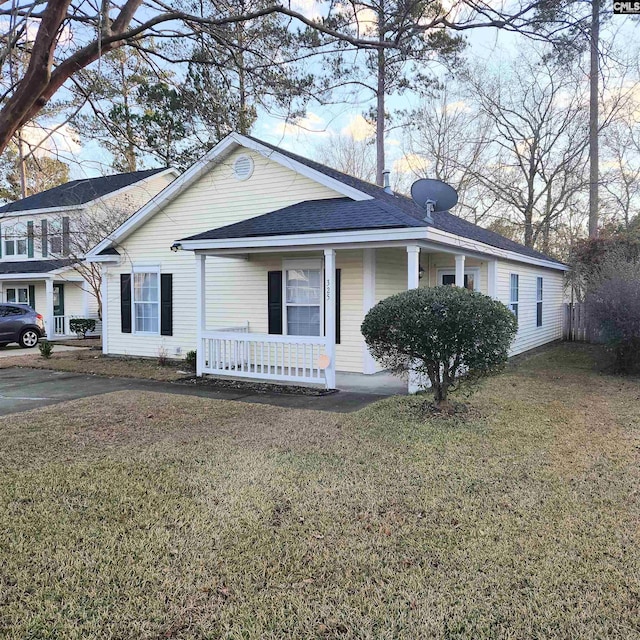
<point>14,239</point>
<point>309,263</point>
<point>540,301</point>
<point>511,301</point>
<point>469,271</point>
<point>141,268</point>
<point>16,289</point>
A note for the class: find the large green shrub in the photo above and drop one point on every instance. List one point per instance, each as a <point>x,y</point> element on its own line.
<point>446,334</point>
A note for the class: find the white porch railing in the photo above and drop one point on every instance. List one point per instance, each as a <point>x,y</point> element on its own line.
<point>236,353</point>
<point>59,325</point>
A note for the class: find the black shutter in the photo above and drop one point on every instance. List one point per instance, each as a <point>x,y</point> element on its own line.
<point>274,293</point>
<point>338,275</point>
<point>32,296</point>
<point>30,239</point>
<point>66,244</point>
<point>125,302</point>
<point>166,304</point>
<point>45,238</point>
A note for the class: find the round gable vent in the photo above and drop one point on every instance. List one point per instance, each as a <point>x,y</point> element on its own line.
<point>243,168</point>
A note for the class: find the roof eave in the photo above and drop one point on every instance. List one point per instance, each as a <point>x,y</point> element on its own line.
<point>430,238</point>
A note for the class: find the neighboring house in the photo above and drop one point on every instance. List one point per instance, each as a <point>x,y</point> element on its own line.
<point>266,263</point>
<point>44,237</point>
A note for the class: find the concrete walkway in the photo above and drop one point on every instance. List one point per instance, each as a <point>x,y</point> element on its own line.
<point>14,350</point>
<point>25,389</point>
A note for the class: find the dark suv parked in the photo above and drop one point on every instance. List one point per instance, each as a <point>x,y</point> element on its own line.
<point>20,323</point>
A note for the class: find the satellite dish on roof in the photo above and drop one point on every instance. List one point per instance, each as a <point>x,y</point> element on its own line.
<point>433,195</point>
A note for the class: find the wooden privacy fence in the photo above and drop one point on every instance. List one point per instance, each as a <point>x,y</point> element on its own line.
<point>577,327</point>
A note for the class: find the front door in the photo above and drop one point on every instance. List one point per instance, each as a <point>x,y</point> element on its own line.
<point>58,309</point>
<point>58,299</point>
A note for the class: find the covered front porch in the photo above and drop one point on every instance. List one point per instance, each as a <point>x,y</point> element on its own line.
<point>59,299</point>
<point>293,314</point>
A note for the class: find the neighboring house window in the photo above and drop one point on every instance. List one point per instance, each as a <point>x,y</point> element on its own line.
<point>303,296</point>
<point>19,294</point>
<point>15,240</point>
<point>539,302</point>
<point>515,293</point>
<point>146,302</point>
<point>54,231</point>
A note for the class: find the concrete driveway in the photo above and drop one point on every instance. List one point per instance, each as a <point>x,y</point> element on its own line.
<point>24,389</point>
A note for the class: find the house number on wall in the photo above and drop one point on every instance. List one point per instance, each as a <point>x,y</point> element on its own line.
<point>328,289</point>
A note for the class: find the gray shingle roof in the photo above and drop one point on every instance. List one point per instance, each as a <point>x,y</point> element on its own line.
<point>33,266</point>
<point>77,191</point>
<point>316,216</point>
<point>444,221</point>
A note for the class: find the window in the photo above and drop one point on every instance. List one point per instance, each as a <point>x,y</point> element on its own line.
<point>515,293</point>
<point>471,278</point>
<point>539,302</point>
<point>303,295</point>
<point>54,230</point>
<point>15,240</point>
<point>19,295</point>
<point>146,302</point>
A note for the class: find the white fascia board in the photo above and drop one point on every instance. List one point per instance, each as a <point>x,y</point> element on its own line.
<point>221,150</point>
<point>105,259</point>
<point>33,212</point>
<point>26,276</point>
<point>308,239</point>
<point>444,237</point>
<point>429,238</point>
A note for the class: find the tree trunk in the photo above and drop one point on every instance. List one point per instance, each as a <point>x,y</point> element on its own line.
<point>380,101</point>
<point>594,73</point>
<point>528,229</point>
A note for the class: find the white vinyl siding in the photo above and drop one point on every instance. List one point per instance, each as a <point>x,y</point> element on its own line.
<point>529,335</point>
<point>236,287</point>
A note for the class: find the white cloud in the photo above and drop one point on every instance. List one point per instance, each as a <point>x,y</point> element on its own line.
<point>359,129</point>
<point>308,8</point>
<point>51,140</point>
<point>310,123</point>
<point>411,163</point>
<point>457,107</point>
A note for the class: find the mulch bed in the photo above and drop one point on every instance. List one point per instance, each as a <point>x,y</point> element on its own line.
<point>255,387</point>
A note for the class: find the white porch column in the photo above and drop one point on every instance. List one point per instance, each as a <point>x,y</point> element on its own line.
<point>413,281</point>
<point>413,266</point>
<point>492,279</point>
<point>330,315</point>
<point>104,298</point>
<point>85,298</point>
<point>201,310</point>
<point>459,270</point>
<point>368,301</point>
<point>48,315</point>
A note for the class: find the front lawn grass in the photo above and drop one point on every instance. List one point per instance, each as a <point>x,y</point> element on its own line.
<point>142,515</point>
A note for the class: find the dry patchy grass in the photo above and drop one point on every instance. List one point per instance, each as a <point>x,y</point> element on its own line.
<point>93,362</point>
<point>141,515</point>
